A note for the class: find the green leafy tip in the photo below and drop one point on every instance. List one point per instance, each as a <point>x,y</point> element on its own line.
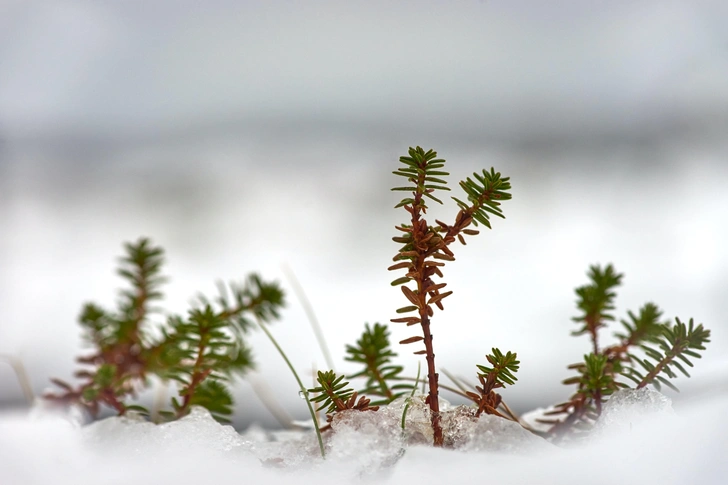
<point>373,351</point>
<point>504,366</point>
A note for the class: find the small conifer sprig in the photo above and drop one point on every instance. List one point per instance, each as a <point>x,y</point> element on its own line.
<point>596,301</point>
<point>676,344</point>
<point>373,351</point>
<point>335,396</point>
<point>597,376</point>
<point>501,374</point>
<point>425,247</point>
<point>201,352</point>
<point>209,355</point>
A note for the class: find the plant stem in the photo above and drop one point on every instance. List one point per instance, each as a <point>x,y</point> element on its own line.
<point>432,378</point>
<point>658,368</point>
<point>310,314</point>
<point>386,391</point>
<point>419,232</point>
<point>300,385</point>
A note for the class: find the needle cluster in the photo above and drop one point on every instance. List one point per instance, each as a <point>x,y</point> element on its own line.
<point>200,352</point>
<point>665,347</point>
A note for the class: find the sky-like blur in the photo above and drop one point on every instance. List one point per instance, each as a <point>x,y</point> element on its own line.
<point>242,136</point>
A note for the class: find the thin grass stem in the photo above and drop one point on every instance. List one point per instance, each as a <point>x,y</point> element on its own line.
<point>308,308</point>
<point>406,406</point>
<point>264,393</point>
<point>447,388</point>
<point>23,381</point>
<point>304,392</point>
<point>454,380</point>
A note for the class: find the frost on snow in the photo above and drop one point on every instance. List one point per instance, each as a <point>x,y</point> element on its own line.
<point>638,440</point>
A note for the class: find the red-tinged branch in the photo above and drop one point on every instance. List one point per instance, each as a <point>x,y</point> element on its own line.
<point>198,374</point>
<point>659,367</point>
<point>372,366</point>
<point>420,238</point>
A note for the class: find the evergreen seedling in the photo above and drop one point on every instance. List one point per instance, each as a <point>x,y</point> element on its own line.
<point>200,352</point>
<point>426,248</point>
<point>598,374</point>
<point>498,376</point>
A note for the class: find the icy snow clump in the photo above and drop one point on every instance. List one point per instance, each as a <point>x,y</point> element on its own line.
<point>628,408</point>
<point>366,447</point>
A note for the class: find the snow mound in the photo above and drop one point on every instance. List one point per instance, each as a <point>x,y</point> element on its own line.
<point>462,430</point>
<point>366,441</point>
<point>495,434</point>
<point>633,444</point>
<point>628,408</point>
<point>132,432</point>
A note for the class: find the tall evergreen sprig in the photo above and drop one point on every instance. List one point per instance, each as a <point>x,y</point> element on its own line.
<point>373,351</point>
<point>201,352</point>
<point>425,247</point>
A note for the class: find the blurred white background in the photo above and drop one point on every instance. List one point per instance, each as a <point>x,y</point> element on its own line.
<point>241,136</point>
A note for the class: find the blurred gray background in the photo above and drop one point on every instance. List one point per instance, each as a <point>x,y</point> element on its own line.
<point>242,136</point>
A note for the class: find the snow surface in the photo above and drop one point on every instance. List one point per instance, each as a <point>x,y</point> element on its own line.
<point>638,440</point>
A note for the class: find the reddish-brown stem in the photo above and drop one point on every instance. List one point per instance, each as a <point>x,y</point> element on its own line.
<point>198,375</point>
<point>418,234</point>
<point>598,401</point>
<point>371,364</point>
<point>432,378</point>
<point>109,397</point>
<point>658,368</point>
<point>593,325</point>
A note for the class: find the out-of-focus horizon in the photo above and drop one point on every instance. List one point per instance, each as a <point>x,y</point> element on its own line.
<point>241,136</point>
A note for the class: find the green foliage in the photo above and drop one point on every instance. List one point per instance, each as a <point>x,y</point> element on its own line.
<point>245,304</point>
<point>209,356</point>
<point>676,344</point>
<point>372,350</point>
<point>425,247</point>
<point>598,375</point>
<point>201,352</point>
<point>596,301</point>
<point>484,196</point>
<point>211,394</point>
<point>421,171</point>
<point>332,392</point>
<point>334,396</point>
<point>501,374</point>
<point>644,327</point>
<point>504,367</point>
<point>596,379</point>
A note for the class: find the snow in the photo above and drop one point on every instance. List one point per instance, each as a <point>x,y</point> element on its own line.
<point>639,439</point>
<point>628,408</point>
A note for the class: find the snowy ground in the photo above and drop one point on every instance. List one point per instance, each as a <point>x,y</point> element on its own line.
<point>638,440</point>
